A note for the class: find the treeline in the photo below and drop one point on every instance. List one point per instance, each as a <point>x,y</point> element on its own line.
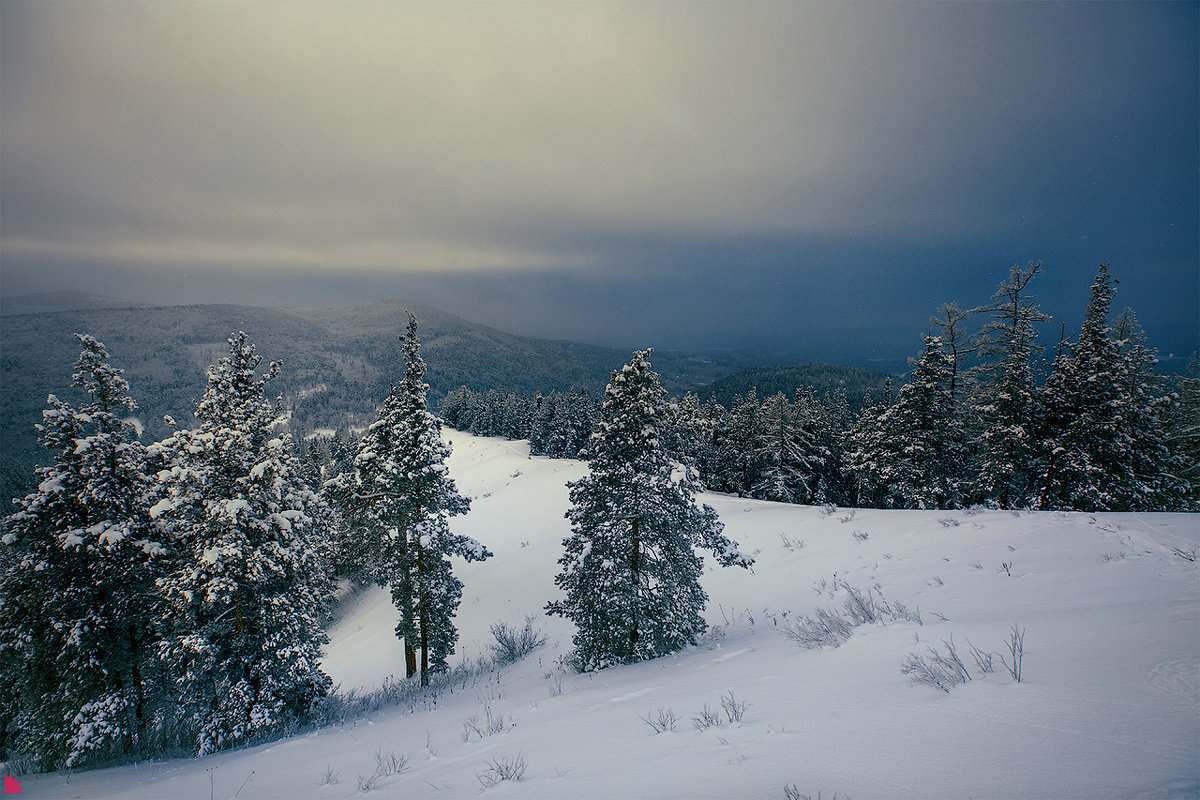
<point>557,425</point>
<point>984,419</point>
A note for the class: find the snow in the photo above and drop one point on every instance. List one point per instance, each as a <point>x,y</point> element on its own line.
<point>51,484</point>
<point>1108,706</point>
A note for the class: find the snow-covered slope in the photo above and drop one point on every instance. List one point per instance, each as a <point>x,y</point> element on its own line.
<point>1109,705</point>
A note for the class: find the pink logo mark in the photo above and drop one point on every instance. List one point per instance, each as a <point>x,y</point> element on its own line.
<point>11,786</point>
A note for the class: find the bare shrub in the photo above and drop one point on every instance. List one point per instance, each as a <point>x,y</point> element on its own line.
<point>512,643</point>
<point>823,628</point>
<point>385,765</point>
<point>827,627</point>
<point>708,717</point>
<point>791,544</point>
<point>509,768</point>
<point>984,660</point>
<point>940,671</point>
<point>661,720</point>
<point>860,605</point>
<point>862,536</point>
<point>490,725</point>
<point>734,709</point>
<point>1016,653</point>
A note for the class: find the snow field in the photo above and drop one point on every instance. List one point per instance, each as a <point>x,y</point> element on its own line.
<point>1109,705</point>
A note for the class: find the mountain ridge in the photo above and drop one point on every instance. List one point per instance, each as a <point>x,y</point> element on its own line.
<point>338,364</point>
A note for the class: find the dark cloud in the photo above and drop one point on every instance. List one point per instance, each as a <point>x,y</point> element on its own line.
<point>767,175</point>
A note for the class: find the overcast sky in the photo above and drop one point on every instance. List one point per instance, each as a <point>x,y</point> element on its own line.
<point>797,177</point>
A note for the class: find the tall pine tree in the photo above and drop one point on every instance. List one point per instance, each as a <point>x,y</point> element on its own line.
<point>1005,403</point>
<point>401,498</point>
<point>247,585</point>
<point>78,664</point>
<point>1102,439</point>
<point>630,574</point>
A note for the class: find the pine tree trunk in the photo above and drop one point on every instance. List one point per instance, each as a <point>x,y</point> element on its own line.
<point>410,660</point>
<point>635,565</point>
<point>424,617</point>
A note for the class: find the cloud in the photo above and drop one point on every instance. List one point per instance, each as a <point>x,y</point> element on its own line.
<point>471,136</point>
<point>817,150</point>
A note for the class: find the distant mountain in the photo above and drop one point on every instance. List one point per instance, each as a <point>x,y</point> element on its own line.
<point>61,301</point>
<point>822,378</point>
<point>338,364</point>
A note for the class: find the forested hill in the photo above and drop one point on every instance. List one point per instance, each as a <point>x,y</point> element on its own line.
<point>338,364</point>
<point>821,378</point>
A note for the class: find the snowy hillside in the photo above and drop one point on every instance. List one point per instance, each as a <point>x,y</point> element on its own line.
<point>1108,706</point>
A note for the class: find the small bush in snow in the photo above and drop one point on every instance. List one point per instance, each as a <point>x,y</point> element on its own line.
<point>509,768</point>
<point>661,720</point>
<point>329,778</point>
<point>385,765</point>
<point>708,717</point>
<point>984,661</point>
<point>512,643</point>
<point>791,544</point>
<point>824,628</point>
<point>827,627</point>
<point>935,669</point>
<point>1016,653</point>
<point>734,709</point>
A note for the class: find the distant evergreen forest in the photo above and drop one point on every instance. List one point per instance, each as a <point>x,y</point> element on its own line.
<point>983,419</point>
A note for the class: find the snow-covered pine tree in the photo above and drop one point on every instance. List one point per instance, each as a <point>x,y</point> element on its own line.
<point>832,429</point>
<point>908,455</point>
<point>866,451</point>
<point>1152,476</point>
<point>78,665</point>
<point>738,459</point>
<point>789,454</point>
<point>242,632</point>
<point>1005,402</point>
<point>1183,433</point>
<point>630,574</point>
<point>926,435</point>
<point>1102,440</point>
<point>715,425</point>
<point>780,476</point>
<point>955,343</point>
<point>401,500</point>
<point>689,431</point>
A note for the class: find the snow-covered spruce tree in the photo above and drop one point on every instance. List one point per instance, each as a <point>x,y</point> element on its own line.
<point>1183,433</point>
<point>400,500</point>
<point>789,453</point>
<point>78,674</point>
<point>630,574</point>
<point>1101,442</point>
<point>833,427</point>
<point>1154,477</point>
<point>244,596</point>
<point>739,457</point>
<point>866,451</point>
<point>908,455</point>
<point>925,435</point>
<point>1005,402</point>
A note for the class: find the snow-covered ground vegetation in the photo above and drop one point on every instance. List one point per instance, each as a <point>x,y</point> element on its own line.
<point>1107,606</point>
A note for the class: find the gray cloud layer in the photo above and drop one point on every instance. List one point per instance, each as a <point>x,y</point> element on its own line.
<point>300,138</point>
